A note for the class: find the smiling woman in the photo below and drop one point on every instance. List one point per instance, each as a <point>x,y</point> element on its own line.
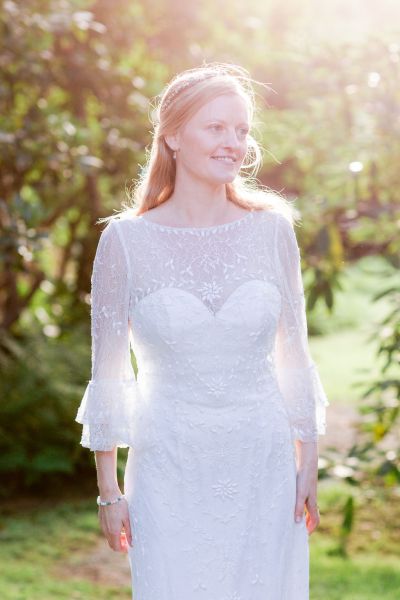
<point>203,281</point>
<point>200,145</point>
<point>204,113</point>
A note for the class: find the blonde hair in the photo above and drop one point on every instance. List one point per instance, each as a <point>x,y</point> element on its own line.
<point>186,93</point>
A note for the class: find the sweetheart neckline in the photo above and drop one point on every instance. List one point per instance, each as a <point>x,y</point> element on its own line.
<point>211,312</point>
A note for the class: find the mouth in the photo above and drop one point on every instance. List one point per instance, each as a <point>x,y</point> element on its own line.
<point>230,160</point>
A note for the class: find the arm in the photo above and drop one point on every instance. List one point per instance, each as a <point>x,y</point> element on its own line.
<point>107,408</point>
<point>115,517</point>
<point>296,371</point>
<point>106,467</point>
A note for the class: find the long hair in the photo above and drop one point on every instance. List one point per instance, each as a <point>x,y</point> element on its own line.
<point>186,93</point>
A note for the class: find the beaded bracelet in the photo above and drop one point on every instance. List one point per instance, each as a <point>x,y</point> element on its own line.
<point>107,503</point>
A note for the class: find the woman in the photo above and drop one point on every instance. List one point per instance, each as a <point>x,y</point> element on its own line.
<point>204,281</point>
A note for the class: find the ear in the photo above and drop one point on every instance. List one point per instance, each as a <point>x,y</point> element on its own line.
<point>172,141</point>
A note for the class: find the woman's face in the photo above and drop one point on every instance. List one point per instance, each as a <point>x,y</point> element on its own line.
<point>213,143</point>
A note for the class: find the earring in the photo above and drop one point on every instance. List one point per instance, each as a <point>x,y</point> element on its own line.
<point>174,154</point>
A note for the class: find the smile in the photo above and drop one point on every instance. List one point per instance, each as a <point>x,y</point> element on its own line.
<point>226,159</point>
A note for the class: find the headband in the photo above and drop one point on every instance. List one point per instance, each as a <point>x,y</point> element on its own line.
<point>180,86</point>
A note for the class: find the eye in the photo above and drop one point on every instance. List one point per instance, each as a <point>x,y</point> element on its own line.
<point>244,130</point>
<point>216,126</point>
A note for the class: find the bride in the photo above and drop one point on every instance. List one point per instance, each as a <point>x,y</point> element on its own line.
<point>201,278</point>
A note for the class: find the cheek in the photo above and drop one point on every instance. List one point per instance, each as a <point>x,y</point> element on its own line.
<point>198,147</point>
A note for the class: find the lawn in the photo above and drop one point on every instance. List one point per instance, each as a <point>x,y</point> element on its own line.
<point>52,551</point>
<point>46,553</point>
<point>346,352</point>
<point>365,577</point>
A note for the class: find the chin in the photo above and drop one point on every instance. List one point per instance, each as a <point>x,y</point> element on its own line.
<point>225,179</point>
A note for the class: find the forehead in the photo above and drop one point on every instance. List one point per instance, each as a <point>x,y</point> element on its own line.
<point>232,107</point>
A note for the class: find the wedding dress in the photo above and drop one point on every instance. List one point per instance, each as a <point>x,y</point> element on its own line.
<point>225,384</point>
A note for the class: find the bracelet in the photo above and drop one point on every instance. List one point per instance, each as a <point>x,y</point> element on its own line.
<point>101,502</point>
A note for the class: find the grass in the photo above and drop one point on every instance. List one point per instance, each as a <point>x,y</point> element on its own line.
<point>37,541</point>
<point>364,577</point>
<point>345,353</point>
<point>369,567</point>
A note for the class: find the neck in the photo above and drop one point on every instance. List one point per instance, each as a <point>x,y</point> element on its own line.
<point>199,204</point>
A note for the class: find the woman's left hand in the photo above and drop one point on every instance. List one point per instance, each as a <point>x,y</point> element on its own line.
<point>306,485</point>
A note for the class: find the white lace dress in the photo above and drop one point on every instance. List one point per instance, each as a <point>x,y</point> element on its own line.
<point>225,384</point>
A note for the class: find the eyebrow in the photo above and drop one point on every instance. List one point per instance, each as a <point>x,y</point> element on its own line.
<point>222,121</point>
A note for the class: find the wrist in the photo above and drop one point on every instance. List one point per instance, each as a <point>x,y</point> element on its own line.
<point>109,493</point>
<point>307,467</point>
<point>107,480</point>
<point>116,500</point>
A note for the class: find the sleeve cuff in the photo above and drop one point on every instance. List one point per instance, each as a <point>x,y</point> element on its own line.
<point>305,401</point>
<point>109,413</point>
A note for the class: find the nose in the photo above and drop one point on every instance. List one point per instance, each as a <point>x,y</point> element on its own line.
<point>231,139</point>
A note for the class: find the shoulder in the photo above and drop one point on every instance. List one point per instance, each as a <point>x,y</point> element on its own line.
<point>281,223</point>
<point>286,245</point>
<point>111,246</point>
<point>284,226</point>
<point>109,234</point>
<point>120,227</point>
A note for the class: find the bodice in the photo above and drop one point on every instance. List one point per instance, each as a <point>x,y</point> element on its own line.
<point>215,317</point>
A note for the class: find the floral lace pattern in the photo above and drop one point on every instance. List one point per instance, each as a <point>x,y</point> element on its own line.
<point>226,383</point>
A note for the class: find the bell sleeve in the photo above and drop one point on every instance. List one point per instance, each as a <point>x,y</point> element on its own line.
<point>107,409</point>
<point>296,372</point>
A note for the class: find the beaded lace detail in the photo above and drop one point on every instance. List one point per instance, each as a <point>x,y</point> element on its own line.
<point>222,226</point>
<point>155,286</point>
<point>225,384</point>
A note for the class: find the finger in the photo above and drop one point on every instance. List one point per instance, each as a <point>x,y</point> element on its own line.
<point>310,524</point>
<point>299,508</point>
<point>312,508</point>
<point>128,531</point>
<point>313,517</point>
<point>123,541</point>
<point>114,541</point>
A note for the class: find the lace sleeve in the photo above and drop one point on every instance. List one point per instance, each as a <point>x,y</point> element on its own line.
<point>107,407</point>
<point>297,373</point>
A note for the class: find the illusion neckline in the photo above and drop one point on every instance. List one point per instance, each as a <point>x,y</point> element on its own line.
<point>221,226</point>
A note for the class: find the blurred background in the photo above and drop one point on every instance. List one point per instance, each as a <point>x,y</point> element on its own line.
<point>76,83</point>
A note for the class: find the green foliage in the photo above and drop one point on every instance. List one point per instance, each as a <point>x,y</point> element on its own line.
<point>347,523</point>
<point>73,121</point>
<point>373,462</point>
<point>381,400</point>
<point>76,83</point>
<point>44,377</point>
